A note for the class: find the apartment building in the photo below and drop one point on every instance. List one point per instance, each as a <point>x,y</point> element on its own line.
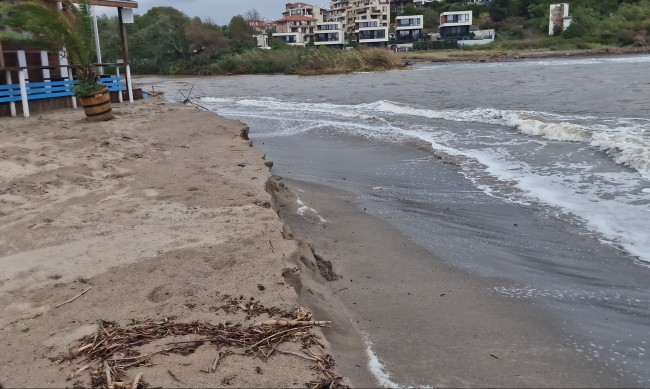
<point>409,28</point>
<point>303,9</point>
<point>329,34</point>
<point>455,25</point>
<point>337,12</point>
<point>290,38</point>
<point>363,10</point>
<point>397,6</point>
<point>370,32</point>
<point>304,25</point>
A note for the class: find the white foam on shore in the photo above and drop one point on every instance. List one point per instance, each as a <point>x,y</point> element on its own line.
<point>304,210</point>
<point>376,368</point>
<point>379,371</point>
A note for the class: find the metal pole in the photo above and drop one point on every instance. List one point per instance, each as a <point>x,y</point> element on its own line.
<point>98,47</point>
<point>125,53</point>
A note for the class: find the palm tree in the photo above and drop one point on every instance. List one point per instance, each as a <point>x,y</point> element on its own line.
<point>48,27</point>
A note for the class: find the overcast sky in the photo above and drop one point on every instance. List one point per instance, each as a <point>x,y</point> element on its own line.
<point>220,11</point>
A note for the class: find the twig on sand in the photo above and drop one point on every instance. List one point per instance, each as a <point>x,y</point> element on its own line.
<point>174,377</point>
<point>76,373</point>
<point>74,298</point>
<point>109,380</point>
<point>297,354</point>
<point>218,358</point>
<point>271,337</point>
<point>293,323</point>
<point>136,381</point>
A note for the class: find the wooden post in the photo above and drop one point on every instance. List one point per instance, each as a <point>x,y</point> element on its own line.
<point>66,73</point>
<point>45,62</point>
<point>74,98</point>
<point>12,105</point>
<point>119,95</point>
<point>63,62</point>
<point>98,47</point>
<point>2,57</point>
<point>125,53</point>
<point>23,79</point>
<point>23,91</point>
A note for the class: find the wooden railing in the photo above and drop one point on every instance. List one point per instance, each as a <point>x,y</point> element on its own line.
<point>23,91</point>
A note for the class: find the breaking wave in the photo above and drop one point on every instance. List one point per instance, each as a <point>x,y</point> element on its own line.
<point>628,145</point>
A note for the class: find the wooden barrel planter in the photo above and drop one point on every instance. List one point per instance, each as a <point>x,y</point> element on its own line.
<point>97,106</point>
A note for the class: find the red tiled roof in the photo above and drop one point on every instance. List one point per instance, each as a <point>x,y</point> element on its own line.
<point>297,18</point>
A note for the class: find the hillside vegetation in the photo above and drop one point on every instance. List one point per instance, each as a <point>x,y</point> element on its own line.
<point>523,24</point>
<point>166,41</point>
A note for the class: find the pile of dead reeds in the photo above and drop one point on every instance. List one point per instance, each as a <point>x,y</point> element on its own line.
<point>111,350</point>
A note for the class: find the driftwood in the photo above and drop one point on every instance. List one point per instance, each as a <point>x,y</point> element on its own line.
<point>115,347</point>
<point>74,298</point>
<point>293,323</point>
<point>136,381</point>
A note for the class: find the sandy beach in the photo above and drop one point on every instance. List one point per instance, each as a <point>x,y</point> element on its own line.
<point>150,247</point>
<point>124,242</point>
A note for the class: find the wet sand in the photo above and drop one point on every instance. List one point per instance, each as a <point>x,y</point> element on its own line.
<point>431,324</point>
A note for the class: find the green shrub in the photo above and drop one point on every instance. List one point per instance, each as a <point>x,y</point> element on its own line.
<point>295,60</point>
<point>435,45</point>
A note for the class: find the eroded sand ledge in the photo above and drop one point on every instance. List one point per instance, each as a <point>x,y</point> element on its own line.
<point>163,212</point>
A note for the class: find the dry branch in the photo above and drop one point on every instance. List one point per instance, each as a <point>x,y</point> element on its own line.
<point>74,298</point>
<point>293,323</point>
<point>116,347</point>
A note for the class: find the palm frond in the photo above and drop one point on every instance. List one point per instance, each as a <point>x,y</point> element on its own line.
<point>54,29</point>
<point>25,39</point>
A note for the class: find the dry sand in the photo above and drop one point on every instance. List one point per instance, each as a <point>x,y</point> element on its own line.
<point>162,212</point>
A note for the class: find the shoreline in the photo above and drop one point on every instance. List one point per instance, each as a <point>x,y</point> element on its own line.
<point>157,225</point>
<point>451,56</point>
<point>425,321</point>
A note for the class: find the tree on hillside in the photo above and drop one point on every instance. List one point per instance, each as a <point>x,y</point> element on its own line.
<point>252,14</point>
<point>240,33</point>
<point>205,36</point>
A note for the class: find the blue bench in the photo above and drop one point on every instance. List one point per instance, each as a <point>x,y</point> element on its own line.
<point>114,84</point>
<point>9,93</point>
<point>46,90</point>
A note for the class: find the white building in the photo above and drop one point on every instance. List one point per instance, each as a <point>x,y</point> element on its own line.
<point>371,32</point>
<point>455,25</point>
<point>297,23</point>
<point>262,41</point>
<point>338,11</point>
<point>409,28</point>
<point>378,10</point>
<point>303,9</point>
<point>329,34</point>
<point>558,18</point>
<point>291,38</point>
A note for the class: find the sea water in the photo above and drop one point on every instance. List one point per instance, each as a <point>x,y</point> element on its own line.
<point>562,142</point>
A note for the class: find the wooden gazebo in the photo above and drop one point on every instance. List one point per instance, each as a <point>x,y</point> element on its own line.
<point>32,79</point>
